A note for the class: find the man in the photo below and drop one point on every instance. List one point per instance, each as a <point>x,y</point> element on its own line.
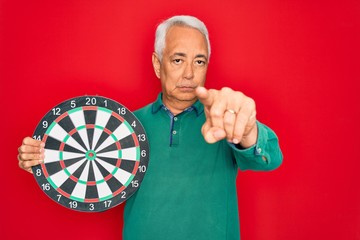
<point>198,140</point>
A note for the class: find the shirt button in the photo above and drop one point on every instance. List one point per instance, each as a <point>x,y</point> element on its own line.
<point>175,118</point>
<point>259,150</point>
<point>174,132</point>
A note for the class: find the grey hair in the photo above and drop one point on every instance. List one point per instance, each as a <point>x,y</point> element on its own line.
<point>181,20</point>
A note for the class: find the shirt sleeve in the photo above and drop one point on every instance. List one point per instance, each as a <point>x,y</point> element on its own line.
<point>265,155</point>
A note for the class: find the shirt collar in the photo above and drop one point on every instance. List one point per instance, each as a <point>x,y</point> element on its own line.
<point>158,104</point>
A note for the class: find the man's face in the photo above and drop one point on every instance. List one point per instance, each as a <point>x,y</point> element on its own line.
<point>183,66</point>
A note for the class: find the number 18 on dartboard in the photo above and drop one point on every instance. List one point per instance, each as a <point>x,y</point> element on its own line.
<point>96,153</point>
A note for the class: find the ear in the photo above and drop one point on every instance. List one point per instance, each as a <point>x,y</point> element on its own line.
<point>156,64</point>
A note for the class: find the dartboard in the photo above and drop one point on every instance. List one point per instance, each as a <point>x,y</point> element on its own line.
<point>96,153</point>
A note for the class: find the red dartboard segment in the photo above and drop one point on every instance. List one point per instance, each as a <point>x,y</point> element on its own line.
<point>46,174</point>
<point>65,194</point>
<point>91,200</point>
<point>61,117</point>
<point>107,131</point>
<point>135,168</point>
<point>72,132</point>
<point>87,178</point>
<point>62,164</point>
<point>88,108</point>
<point>117,116</point>
<point>119,191</point>
<point>75,179</point>
<point>118,163</point>
<point>135,139</point>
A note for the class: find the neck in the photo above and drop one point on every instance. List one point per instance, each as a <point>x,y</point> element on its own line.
<point>176,106</point>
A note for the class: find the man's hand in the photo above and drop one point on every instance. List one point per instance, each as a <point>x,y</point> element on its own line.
<point>229,114</point>
<point>31,153</point>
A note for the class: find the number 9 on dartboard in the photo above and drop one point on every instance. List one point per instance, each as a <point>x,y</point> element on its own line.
<point>96,153</point>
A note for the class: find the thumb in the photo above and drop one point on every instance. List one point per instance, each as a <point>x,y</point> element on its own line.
<point>212,134</point>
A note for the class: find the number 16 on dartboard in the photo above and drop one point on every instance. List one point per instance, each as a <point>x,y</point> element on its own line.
<point>96,153</point>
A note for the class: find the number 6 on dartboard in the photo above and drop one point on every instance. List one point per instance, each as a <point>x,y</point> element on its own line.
<point>96,153</point>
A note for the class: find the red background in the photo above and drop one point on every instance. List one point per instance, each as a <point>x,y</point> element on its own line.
<point>298,59</point>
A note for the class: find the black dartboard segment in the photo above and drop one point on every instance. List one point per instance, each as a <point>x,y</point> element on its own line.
<point>96,153</point>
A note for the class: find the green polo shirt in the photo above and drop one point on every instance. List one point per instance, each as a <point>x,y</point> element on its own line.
<point>189,190</point>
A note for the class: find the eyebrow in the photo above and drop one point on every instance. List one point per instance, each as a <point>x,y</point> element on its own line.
<point>184,55</point>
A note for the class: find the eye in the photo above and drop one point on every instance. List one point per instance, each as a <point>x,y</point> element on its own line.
<point>200,62</point>
<point>177,61</point>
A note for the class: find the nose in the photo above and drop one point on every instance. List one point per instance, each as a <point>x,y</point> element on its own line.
<point>189,71</point>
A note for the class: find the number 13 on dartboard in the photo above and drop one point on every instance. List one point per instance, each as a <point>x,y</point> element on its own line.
<point>96,153</point>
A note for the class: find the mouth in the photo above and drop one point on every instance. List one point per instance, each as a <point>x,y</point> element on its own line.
<point>186,88</point>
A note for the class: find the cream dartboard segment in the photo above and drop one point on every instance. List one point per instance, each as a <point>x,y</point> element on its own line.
<point>96,153</point>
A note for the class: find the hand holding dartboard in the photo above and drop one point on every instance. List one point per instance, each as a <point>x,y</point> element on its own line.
<point>96,153</point>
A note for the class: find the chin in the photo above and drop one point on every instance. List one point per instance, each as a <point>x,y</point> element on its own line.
<point>186,97</point>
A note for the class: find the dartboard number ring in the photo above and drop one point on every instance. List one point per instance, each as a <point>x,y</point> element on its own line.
<point>96,153</point>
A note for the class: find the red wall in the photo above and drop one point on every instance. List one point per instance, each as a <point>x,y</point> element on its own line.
<point>298,59</point>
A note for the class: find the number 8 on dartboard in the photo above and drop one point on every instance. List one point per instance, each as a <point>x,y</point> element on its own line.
<point>96,153</point>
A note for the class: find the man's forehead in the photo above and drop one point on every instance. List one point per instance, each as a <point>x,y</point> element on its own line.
<point>182,39</point>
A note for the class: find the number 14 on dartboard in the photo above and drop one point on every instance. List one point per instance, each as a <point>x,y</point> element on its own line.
<point>96,153</point>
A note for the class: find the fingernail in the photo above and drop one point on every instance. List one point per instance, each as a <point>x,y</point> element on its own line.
<point>42,156</point>
<point>41,161</point>
<point>236,141</point>
<point>42,144</point>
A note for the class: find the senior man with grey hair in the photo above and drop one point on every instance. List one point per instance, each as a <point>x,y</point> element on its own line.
<point>199,138</point>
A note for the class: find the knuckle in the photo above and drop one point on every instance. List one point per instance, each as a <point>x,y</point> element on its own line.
<point>25,164</point>
<point>251,102</point>
<point>22,148</point>
<point>216,113</point>
<point>240,95</point>
<point>26,140</point>
<point>226,89</point>
<point>23,156</point>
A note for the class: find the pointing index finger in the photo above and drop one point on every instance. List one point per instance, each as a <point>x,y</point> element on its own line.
<point>204,96</point>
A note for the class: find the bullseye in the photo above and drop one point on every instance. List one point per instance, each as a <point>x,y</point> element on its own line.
<point>90,155</point>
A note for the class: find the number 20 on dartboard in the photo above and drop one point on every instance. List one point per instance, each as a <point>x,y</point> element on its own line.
<point>96,153</point>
